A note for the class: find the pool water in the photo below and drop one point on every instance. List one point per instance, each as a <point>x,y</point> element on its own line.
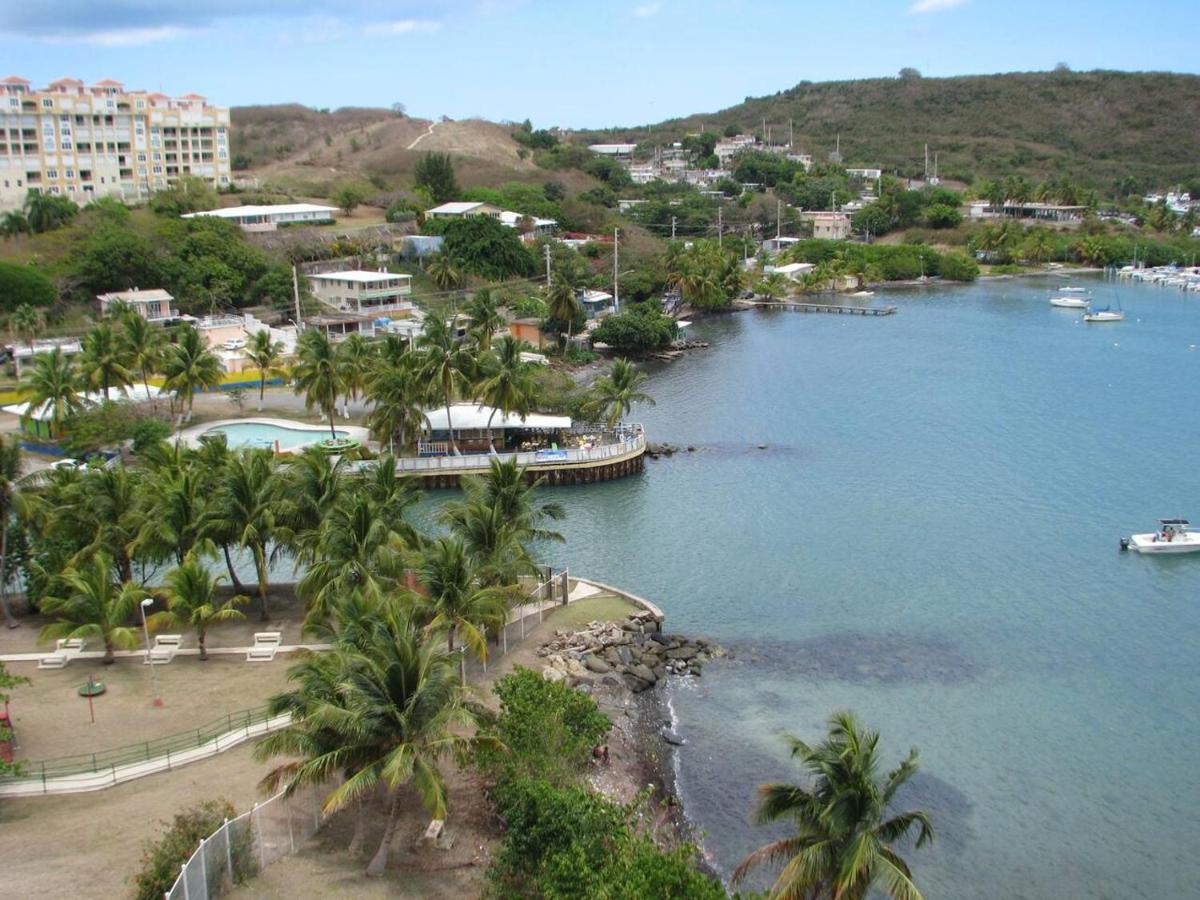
<point>262,434</point>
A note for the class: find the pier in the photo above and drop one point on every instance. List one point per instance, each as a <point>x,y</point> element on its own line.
<point>836,308</point>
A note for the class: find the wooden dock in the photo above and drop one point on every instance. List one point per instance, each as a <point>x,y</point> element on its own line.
<point>838,308</point>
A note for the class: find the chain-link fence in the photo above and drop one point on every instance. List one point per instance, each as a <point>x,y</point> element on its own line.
<point>538,598</point>
<point>242,847</point>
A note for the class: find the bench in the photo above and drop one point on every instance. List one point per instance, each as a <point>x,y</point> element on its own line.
<point>69,645</point>
<point>57,661</point>
<point>164,649</point>
<point>433,833</point>
<point>64,649</point>
<point>266,644</point>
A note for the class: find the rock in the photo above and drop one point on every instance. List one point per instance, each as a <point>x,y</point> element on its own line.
<point>551,674</point>
<point>635,684</point>
<point>691,449</point>
<point>672,738</point>
<point>762,446</point>
<point>659,638</point>
<point>625,655</point>
<point>660,672</point>
<point>639,671</point>
<point>596,664</point>
<point>684,652</point>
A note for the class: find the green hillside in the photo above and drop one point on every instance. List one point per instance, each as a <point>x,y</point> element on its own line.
<point>1094,127</point>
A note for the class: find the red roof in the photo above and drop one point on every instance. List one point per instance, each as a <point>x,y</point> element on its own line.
<point>108,82</point>
<point>65,81</point>
<point>158,96</point>
<point>193,97</point>
<point>13,79</point>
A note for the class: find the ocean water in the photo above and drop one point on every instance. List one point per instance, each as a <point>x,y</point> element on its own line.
<point>930,538</point>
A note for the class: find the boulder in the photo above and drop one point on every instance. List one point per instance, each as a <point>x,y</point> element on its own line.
<point>686,651</point>
<point>596,664</point>
<point>639,671</point>
<point>672,738</point>
<point>635,684</point>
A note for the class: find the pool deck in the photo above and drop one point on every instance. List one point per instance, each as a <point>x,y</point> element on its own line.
<point>191,436</point>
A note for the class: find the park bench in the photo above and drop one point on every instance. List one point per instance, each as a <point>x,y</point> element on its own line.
<point>164,649</point>
<point>64,649</point>
<point>266,644</point>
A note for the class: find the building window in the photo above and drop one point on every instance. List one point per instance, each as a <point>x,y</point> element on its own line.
<point>158,170</point>
<point>47,103</point>
<point>66,145</point>
<point>141,157</point>
<point>70,173</point>
<point>141,104</point>
<point>52,173</point>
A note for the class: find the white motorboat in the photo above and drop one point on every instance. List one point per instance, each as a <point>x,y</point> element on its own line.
<point>1069,302</point>
<point>1173,536</point>
<point>1104,315</point>
<point>1074,290</point>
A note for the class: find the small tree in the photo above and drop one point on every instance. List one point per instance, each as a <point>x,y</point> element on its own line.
<point>192,602</point>
<point>161,859</point>
<point>348,196</point>
<point>93,606</point>
<point>435,173</point>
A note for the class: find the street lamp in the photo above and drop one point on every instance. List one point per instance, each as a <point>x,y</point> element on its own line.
<point>157,701</point>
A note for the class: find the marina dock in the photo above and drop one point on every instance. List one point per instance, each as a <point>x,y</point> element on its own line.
<point>836,308</point>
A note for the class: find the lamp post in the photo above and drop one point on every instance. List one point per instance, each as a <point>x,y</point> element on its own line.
<point>157,701</point>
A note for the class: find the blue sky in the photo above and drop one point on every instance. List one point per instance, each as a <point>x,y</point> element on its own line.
<point>563,62</point>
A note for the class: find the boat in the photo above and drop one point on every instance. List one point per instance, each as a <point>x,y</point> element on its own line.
<point>1074,290</point>
<point>1173,536</point>
<point>1104,315</point>
<point>1069,302</point>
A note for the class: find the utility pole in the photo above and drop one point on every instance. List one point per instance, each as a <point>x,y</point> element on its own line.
<point>778,220</point>
<point>720,226</point>
<point>616,270</point>
<point>672,228</point>
<point>547,249</point>
<point>296,298</point>
<point>791,135</point>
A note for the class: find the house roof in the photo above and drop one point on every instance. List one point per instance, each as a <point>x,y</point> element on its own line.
<point>135,393</point>
<point>455,208</point>
<point>65,81</point>
<point>239,212</point>
<point>193,97</point>
<point>14,79</point>
<point>359,275</point>
<point>136,296</point>
<point>512,219</point>
<point>108,82</point>
<point>471,416</point>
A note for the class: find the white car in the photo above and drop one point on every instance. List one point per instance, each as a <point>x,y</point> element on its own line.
<point>235,344</point>
<point>68,464</point>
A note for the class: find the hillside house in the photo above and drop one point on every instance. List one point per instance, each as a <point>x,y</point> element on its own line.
<point>271,217</point>
<point>361,291</point>
<point>461,209</point>
<point>830,226</point>
<point>152,305</point>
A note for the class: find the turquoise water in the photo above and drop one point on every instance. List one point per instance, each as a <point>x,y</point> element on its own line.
<point>930,539</point>
<point>257,434</point>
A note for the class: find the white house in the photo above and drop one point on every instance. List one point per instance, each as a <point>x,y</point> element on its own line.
<point>778,244</point>
<point>268,218</point>
<point>617,151</point>
<point>153,305</point>
<point>461,209</point>
<point>537,227</point>
<point>360,291</point>
<point>792,271</point>
<point>595,303</point>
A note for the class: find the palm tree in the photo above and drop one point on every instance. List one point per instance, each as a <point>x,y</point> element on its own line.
<point>52,388</point>
<point>446,366</point>
<point>93,606</point>
<point>44,211</point>
<point>317,373</point>
<point>13,223</point>
<point>614,394</point>
<point>192,601</point>
<point>393,711</point>
<point>562,305</point>
<point>190,366</point>
<point>443,271</point>
<point>354,359</point>
<point>507,488</point>
<point>458,603</point>
<point>245,506</point>
<point>772,285</point>
<point>842,847</point>
<point>396,408</point>
<point>25,323</point>
<point>10,472</point>
<point>102,359</point>
<point>507,385</point>
<point>494,546</point>
<point>485,318</point>
<point>265,354</point>
<point>143,346</point>
<point>210,461</point>
<point>173,520</point>
<point>110,509</point>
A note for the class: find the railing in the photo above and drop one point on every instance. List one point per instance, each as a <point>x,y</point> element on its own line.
<point>243,847</point>
<point>552,590</point>
<point>627,443</point>
<point>104,767</point>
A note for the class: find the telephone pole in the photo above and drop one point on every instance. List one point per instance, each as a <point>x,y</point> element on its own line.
<point>778,221</point>
<point>547,249</point>
<point>672,228</point>
<point>296,298</point>
<point>616,270</point>
<point>720,227</point>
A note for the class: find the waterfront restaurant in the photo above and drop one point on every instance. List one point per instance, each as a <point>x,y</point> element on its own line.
<point>482,429</point>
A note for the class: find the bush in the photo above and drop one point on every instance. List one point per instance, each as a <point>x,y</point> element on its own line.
<point>638,330</point>
<point>941,215</point>
<point>161,860</point>
<point>958,267</point>
<point>22,284</point>
<point>148,432</point>
<point>485,247</point>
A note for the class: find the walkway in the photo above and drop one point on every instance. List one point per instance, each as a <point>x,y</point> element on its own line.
<point>420,137</point>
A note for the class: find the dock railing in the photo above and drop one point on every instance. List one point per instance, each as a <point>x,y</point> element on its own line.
<point>624,441</point>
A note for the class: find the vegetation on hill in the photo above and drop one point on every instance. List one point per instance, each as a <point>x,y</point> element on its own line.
<point>1098,127</point>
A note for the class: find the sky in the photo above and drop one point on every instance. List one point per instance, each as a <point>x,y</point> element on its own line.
<point>566,62</point>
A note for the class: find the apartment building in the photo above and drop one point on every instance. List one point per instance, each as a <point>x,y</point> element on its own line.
<point>358,291</point>
<point>87,141</point>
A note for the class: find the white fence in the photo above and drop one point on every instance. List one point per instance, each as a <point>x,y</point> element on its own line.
<point>626,444</point>
<point>244,846</point>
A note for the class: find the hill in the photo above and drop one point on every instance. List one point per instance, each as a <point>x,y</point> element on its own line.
<point>306,150</point>
<point>1093,127</point>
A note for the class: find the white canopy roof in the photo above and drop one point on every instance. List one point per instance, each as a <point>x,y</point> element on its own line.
<point>135,393</point>
<point>274,209</point>
<point>470,416</point>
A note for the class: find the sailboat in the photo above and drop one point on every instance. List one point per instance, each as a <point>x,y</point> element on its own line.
<point>1105,314</point>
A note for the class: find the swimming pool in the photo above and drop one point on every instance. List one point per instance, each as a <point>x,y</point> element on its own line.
<point>265,434</point>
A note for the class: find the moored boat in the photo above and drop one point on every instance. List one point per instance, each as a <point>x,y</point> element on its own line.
<point>1104,315</point>
<point>1173,536</point>
<point>1074,290</point>
<point>1069,302</point>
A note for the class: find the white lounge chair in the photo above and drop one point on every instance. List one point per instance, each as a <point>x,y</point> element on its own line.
<point>55,661</point>
<point>164,649</point>
<point>64,649</point>
<point>266,644</point>
<point>69,645</point>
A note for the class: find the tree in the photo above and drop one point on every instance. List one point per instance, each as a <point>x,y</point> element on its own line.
<point>265,354</point>
<point>24,286</point>
<point>102,360</point>
<point>397,411</point>
<point>842,847</point>
<point>317,374</point>
<point>13,223</point>
<point>773,285</point>
<point>435,173</point>
<point>393,710</point>
<point>443,271</point>
<point>565,312</point>
<point>507,385</point>
<point>52,388</point>
<point>93,607</point>
<point>614,394</point>
<point>189,366</point>
<point>354,358</point>
<point>347,196</point>
<point>26,322</point>
<point>459,605</point>
<point>942,215</point>
<point>507,489</point>
<point>484,317</point>
<point>446,366</point>
<point>143,347</point>
<point>192,601</point>
<point>10,473</point>
<point>245,508</point>
<point>45,212</point>
<point>113,258</point>
<point>637,330</point>
<point>908,73</point>
<point>1039,244</point>
<point>486,247</point>
<point>956,266</point>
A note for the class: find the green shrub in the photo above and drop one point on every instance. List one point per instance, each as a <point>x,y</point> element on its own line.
<point>161,859</point>
<point>638,330</point>
<point>22,284</point>
<point>148,432</point>
<point>956,266</point>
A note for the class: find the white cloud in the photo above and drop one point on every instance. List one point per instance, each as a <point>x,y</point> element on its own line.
<point>932,6</point>
<point>400,26</point>
<point>121,37</point>
<point>647,10</point>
